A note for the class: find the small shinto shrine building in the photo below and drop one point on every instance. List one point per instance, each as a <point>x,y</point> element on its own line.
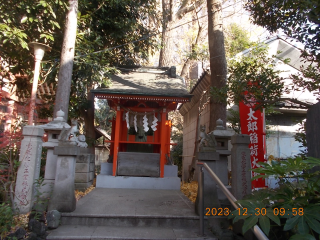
<point>140,138</point>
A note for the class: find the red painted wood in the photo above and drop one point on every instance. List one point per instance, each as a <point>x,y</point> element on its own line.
<point>116,141</point>
<point>163,143</point>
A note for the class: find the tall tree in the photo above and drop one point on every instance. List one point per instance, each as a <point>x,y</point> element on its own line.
<point>122,38</point>
<point>109,33</point>
<point>218,63</point>
<point>169,18</point>
<point>22,22</point>
<point>236,40</point>
<point>66,60</point>
<point>193,55</point>
<point>298,20</point>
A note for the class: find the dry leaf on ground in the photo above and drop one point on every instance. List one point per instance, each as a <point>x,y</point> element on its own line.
<point>80,194</point>
<point>190,190</point>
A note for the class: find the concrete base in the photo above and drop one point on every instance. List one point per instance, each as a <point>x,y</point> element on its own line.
<point>170,171</point>
<point>106,168</point>
<point>106,181</point>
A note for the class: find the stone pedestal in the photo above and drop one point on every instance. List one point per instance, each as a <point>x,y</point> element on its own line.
<point>240,165</point>
<point>63,198</point>
<point>222,137</point>
<point>211,200</point>
<point>29,169</point>
<point>84,172</point>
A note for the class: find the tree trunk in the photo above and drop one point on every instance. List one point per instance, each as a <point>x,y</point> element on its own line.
<point>166,38</point>
<point>186,65</point>
<point>88,116</point>
<point>218,63</point>
<point>168,21</point>
<point>66,62</point>
<point>185,69</point>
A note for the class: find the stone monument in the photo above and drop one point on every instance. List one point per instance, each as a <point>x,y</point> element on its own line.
<point>29,169</point>
<point>63,198</point>
<point>240,166</point>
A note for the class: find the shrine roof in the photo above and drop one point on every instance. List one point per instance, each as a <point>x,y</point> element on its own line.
<point>146,81</point>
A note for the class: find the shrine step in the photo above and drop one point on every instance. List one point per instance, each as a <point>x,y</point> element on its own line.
<point>130,221</point>
<point>73,232</point>
<point>131,214</point>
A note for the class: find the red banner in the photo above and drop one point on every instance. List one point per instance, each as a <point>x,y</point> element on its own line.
<point>252,124</point>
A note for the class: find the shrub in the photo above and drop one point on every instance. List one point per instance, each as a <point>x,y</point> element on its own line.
<point>6,219</point>
<point>293,207</point>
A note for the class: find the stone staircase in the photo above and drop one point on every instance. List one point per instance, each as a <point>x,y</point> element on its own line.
<point>131,214</point>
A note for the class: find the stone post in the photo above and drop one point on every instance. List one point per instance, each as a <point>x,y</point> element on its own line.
<point>313,132</point>
<point>240,165</point>
<point>210,187</point>
<point>222,137</point>
<point>29,169</point>
<point>63,198</point>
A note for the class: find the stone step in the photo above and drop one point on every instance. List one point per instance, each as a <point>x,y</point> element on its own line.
<point>130,220</point>
<point>72,232</point>
<point>131,214</point>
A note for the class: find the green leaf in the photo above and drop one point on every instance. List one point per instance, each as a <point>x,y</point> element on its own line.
<point>24,44</point>
<point>314,224</point>
<point>24,19</point>
<point>303,227</point>
<point>302,237</point>
<point>264,223</point>
<point>312,160</point>
<point>249,223</point>
<point>291,222</point>
<point>273,217</point>
<point>236,217</point>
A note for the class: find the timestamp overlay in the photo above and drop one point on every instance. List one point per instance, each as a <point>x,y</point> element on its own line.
<point>256,212</point>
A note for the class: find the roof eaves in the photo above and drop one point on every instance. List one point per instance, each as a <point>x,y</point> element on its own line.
<point>104,91</point>
<point>199,80</point>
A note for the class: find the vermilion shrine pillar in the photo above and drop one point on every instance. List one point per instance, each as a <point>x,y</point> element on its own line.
<point>116,140</point>
<point>163,142</point>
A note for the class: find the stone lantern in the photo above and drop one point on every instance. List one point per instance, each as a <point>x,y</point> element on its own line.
<point>222,137</point>
<point>53,129</point>
<point>39,50</point>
